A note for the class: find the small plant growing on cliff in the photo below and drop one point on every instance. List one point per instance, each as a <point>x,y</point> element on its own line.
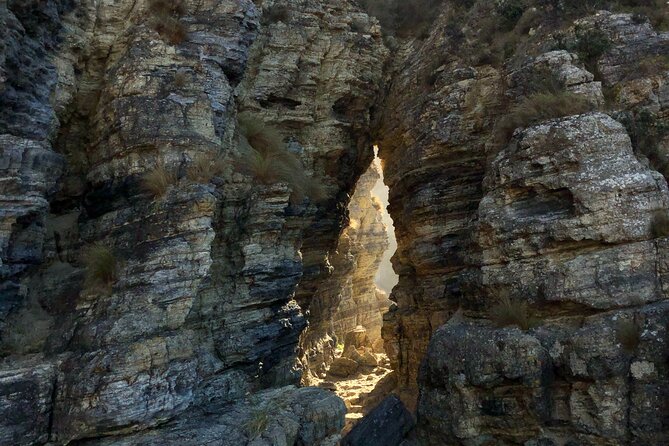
<point>158,180</point>
<point>660,224</point>
<point>101,266</point>
<point>628,334</point>
<point>180,79</point>
<point>203,169</point>
<point>647,132</point>
<point>267,159</point>
<point>257,423</point>
<point>164,20</point>
<point>276,13</point>
<point>509,312</point>
<point>540,107</point>
<point>590,45</point>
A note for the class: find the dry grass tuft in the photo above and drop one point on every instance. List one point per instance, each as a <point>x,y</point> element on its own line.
<point>101,266</point>
<point>540,107</point>
<point>267,159</point>
<point>628,333</point>
<point>508,312</point>
<point>158,180</point>
<point>258,422</point>
<point>204,168</point>
<point>164,20</point>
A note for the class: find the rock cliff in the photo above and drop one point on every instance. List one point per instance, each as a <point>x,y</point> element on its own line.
<point>150,271</point>
<point>186,228</point>
<point>531,227</point>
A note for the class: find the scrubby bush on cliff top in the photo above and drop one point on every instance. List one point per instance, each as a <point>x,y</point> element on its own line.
<point>266,157</point>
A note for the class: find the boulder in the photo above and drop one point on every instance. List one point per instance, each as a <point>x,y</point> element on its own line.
<point>343,367</point>
<point>386,425</point>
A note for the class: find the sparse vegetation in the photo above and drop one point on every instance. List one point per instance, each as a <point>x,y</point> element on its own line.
<point>590,45</point>
<point>509,312</point>
<point>660,224</point>
<point>257,423</point>
<point>101,266</point>
<point>649,66</point>
<point>276,13</point>
<point>165,15</point>
<point>267,159</point>
<point>540,107</point>
<point>158,180</point>
<point>647,132</point>
<point>628,333</point>
<point>204,168</point>
<point>180,79</point>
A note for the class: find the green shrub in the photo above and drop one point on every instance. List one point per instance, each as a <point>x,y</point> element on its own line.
<point>590,45</point>
<point>510,12</point>
<point>540,107</point>
<point>508,312</point>
<point>101,266</point>
<point>158,180</point>
<point>628,334</point>
<point>164,20</point>
<point>266,158</point>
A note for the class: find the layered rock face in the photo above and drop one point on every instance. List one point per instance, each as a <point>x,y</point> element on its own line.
<point>560,224</point>
<point>202,312</point>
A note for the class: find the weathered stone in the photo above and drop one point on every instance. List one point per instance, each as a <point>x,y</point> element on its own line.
<point>26,399</point>
<point>386,425</point>
<point>343,367</point>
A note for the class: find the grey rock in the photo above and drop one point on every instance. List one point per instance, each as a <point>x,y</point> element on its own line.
<point>386,425</point>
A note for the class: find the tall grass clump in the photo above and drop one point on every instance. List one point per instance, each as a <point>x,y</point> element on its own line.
<point>540,107</point>
<point>164,20</point>
<point>203,168</point>
<point>158,180</point>
<point>101,266</point>
<point>510,312</point>
<point>266,158</point>
<point>257,423</point>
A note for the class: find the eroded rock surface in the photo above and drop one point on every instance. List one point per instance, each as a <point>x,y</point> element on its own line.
<point>564,215</point>
<point>213,276</point>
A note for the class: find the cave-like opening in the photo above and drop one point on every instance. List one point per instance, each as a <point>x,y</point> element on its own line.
<point>359,371</point>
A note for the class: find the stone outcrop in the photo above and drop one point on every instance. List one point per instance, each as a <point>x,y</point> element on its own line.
<point>213,277</point>
<point>565,215</point>
<point>386,425</point>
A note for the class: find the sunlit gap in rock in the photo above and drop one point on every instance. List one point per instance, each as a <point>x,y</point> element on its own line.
<point>385,278</point>
<point>360,372</point>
